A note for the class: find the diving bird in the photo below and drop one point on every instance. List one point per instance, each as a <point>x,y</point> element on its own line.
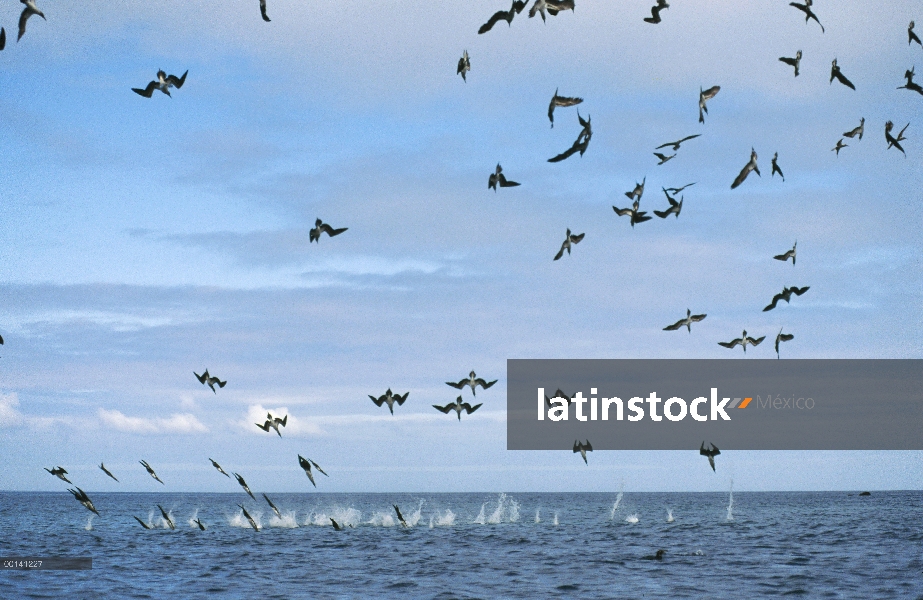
<point>655,12</point>
<point>795,62</point>
<point>458,406</point>
<point>712,452</point>
<point>552,6</point>
<point>143,524</point>
<point>106,471</point>
<point>60,473</point>
<point>688,321</point>
<point>743,340</point>
<point>910,85</point>
<point>791,254</point>
<point>786,294</point>
<point>28,11</point>
<point>636,193</point>
<point>306,465</point>
<point>274,422</point>
<point>167,517</point>
<point>244,485</point>
<point>750,166</point>
<point>562,101</point>
<point>163,83</point>
<point>82,498</point>
<point>839,146</point>
<point>858,131</point>
<point>464,65</point>
<point>568,240</point>
<point>206,379</point>
<point>895,141</point>
<point>503,15</point>
<point>558,394</point>
<point>389,398</point>
<point>321,227</point>
<point>675,207</point>
<point>663,157</point>
<point>2,38</point>
<point>581,143</point>
<point>836,73</point>
<point>151,471</point>
<point>473,381</point>
<point>400,517</point>
<point>199,521</point>
<point>249,518</point>
<point>809,14</point>
<point>497,177</point>
<point>336,526</point>
<point>677,190</point>
<point>583,449</point>
<point>782,337</point>
<point>220,470</point>
<point>637,216</point>
<point>775,166</point>
<point>272,506</point>
<point>705,97</point>
<point>911,36</point>
<point>265,18</point>
<point>675,145</point>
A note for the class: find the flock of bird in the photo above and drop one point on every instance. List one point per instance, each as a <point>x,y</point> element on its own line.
<point>164,82</point>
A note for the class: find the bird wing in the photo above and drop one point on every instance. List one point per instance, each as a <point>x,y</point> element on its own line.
<point>676,325</point>
<point>786,337</point>
<point>177,81</point>
<point>842,79</point>
<point>623,212</point>
<point>496,17</point>
<point>317,466</point>
<point>484,384</point>
<point>377,401</point>
<point>799,291</point>
<point>143,524</point>
<point>263,10</point>
<point>314,234</point>
<point>444,409</point>
<point>470,409</point>
<point>311,477</point>
<point>146,92</point>
<point>753,342</point>
<point>561,251</point>
<point>775,300</point>
<point>400,399</point>
<point>23,17</point>
<point>697,318</point>
<point>688,137</point>
<point>711,92</point>
<point>566,100</point>
<point>576,239</point>
<point>505,183</point>
<point>743,175</point>
<point>730,344</point>
<point>461,384</point>
<point>566,154</point>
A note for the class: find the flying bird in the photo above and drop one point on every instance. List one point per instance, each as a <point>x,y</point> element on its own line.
<point>143,524</point>
<point>562,101</point>
<point>473,381</point>
<point>265,18</point>
<point>858,131</point>
<point>497,177</point>
<point>663,157</point>
<point>677,190</point>
<point>272,506</point>
<point>458,406</point>
<point>60,473</point>
<point>274,422</point>
<point>675,207</point>
<point>552,6</point>
<point>106,471</point>
<point>28,11</point>
<point>637,216</point>
<point>743,340</point>
<point>712,452</point>
<point>464,65</point>
<point>836,73</point>
<point>675,145</point>
<point>581,143</point>
<point>400,517</point>
<point>775,166</point>
<point>321,227</point>
<point>655,12</point>
<point>809,14</point>
<point>389,398</point>
<point>839,146</point>
<point>151,471</point>
<point>795,62</point>
<point>895,141</point>
<point>244,485</point>
<point>220,470</point>
<point>583,449</point>
<point>167,517</point>
<point>568,240</point>
<point>2,38</point>
<point>205,378</point>
<point>82,498</point>
<point>750,166</point>
<point>911,36</point>
<point>705,97</point>
<point>791,254</point>
<point>782,337</point>
<point>910,85</point>
<point>163,83</point>
<point>786,294</point>
<point>249,518</point>
<point>636,193</point>
<point>688,321</point>
<point>306,465</point>
<point>503,15</point>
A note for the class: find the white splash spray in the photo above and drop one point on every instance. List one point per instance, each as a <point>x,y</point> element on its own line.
<point>730,516</point>
<point>669,515</point>
<point>615,507</point>
<point>413,519</point>
<point>192,519</point>
<point>555,518</point>
<point>287,521</point>
<point>537,518</point>
<point>89,525</point>
<point>631,519</point>
<point>481,519</point>
<point>445,520</point>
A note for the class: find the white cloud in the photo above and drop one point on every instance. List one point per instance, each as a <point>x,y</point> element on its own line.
<point>176,423</point>
<point>9,415</point>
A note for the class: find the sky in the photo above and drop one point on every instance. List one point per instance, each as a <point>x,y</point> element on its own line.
<point>144,239</point>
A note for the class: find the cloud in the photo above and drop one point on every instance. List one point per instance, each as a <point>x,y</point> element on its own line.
<point>176,423</point>
<point>9,415</point>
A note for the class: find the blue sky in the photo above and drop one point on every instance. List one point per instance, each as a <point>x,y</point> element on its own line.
<point>144,239</point>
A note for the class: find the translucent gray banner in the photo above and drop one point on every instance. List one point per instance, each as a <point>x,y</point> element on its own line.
<point>734,404</point>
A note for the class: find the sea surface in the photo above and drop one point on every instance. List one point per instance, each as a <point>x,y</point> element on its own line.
<point>477,545</point>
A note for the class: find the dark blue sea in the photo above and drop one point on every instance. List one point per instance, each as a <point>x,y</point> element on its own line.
<point>476,545</point>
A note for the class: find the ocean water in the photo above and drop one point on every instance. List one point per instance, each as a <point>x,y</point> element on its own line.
<point>475,545</point>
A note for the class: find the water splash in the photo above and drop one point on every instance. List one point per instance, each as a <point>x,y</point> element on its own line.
<point>615,507</point>
<point>514,511</point>
<point>555,518</point>
<point>89,525</point>
<point>431,521</point>
<point>669,515</point>
<point>287,520</point>
<point>730,515</point>
<point>192,519</point>
<point>537,518</point>
<point>446,520</point>
<point>381,519</point>
<point>166,524</point>
<point>150,519</point>
<point>631,519</point>
<point>480,519</point>
<point>497,516</point>
<point>239,520</point>
<point>413,519</point>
